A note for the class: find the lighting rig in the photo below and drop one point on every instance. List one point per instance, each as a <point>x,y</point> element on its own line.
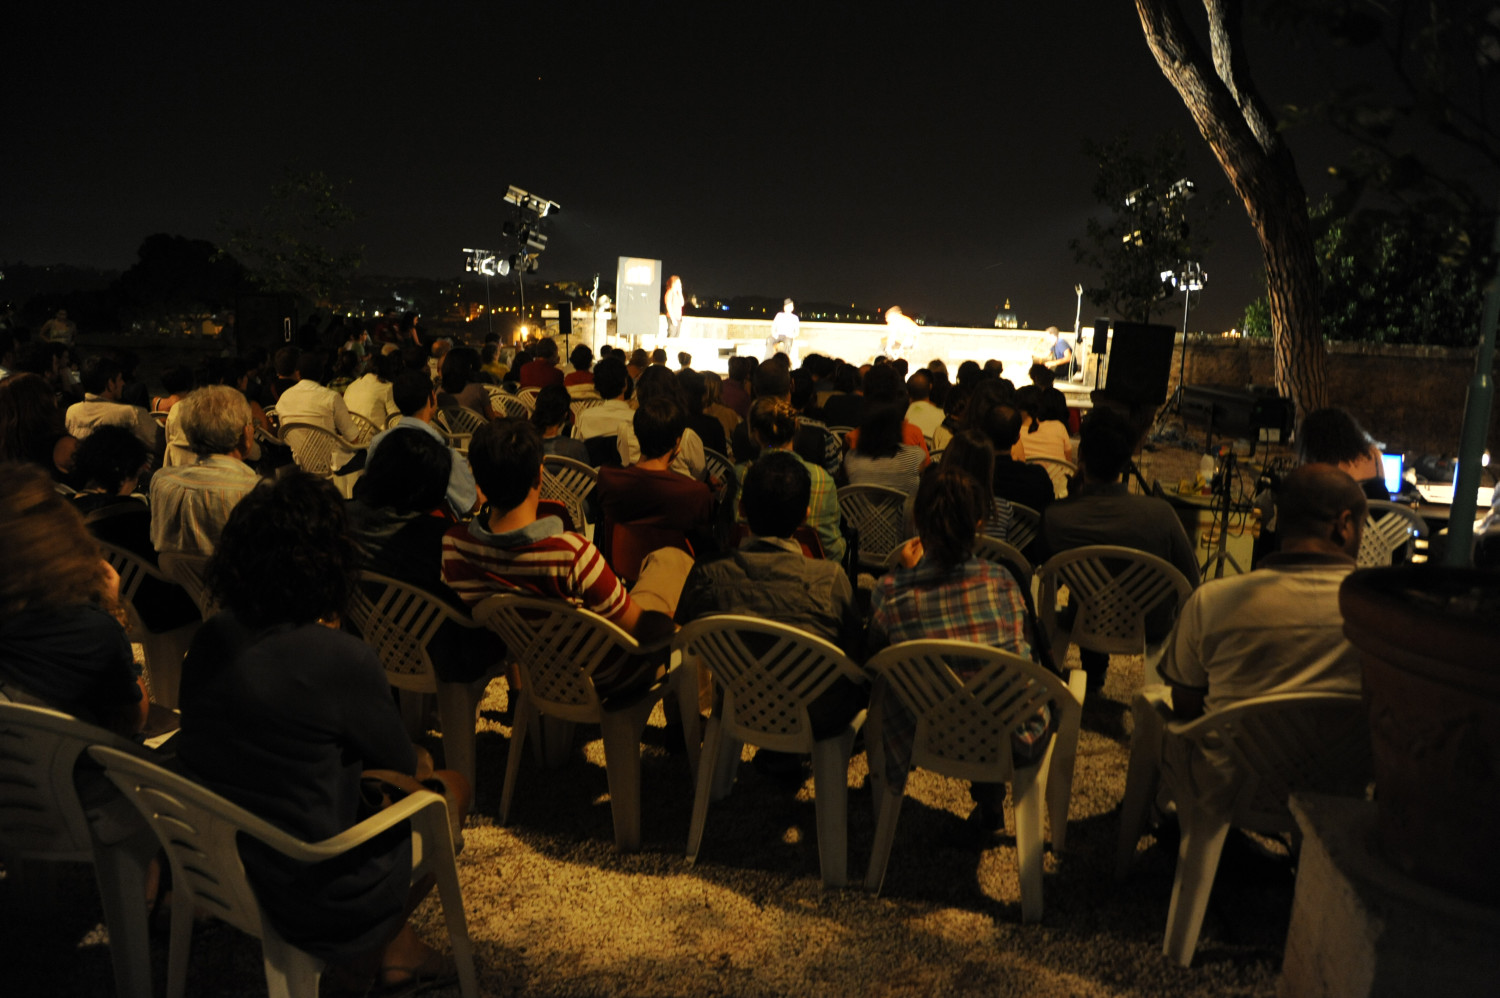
<point>1187,278</point>
<point>525,242</point>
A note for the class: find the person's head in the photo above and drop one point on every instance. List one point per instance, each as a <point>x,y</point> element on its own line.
<point>884,385</point>
<point>693,390</point>
<point>901,366</point>
<point>969,373</point>
<point>111,458</point>
<point>773,422</point>
<point>787,305</point>
<point>408,473</point>
<point>285,556</point>
<point>940,387</point>
<point>610,378</point>
<point>987,394</point>
<point>102,376</point>
<point>47,556</point>
<point>713,388</point>
<point>949,507</point>
<point>30,421</point>
<point>919,386</point>
<point>440,348</point>
<point>1320,508</point>
<point>880,430</point>
<point>993,368</point>
<point>388,366</point>
<point>658,357</point>
<point>1053,335</point>
<point>506,456</point>
<point>216,420</point>
<point>1332,436</point>
<point>313,366</point>
<point>581,357</point>
<point>460,367</point>
<point>775,495</point>
<point>658,382</point>
<point>1041,375</point>
<point>552,408</point>
<point>411,391</point>
<point>177,380</point>
<point>546,350</point>
<point>819,366</point>
<point>1028,399</point>
<point>780,360</point>
<point>488,354</point>
<point>772,381</point>
<point>1003,426</point>
<point>639,359</point>
<point>739,368</point>
<point>287,360</point>
<point>684,359</point>
<point>972,451</point>
<point>412,356</point>
<point>1105,442</point>
<point>659,423</point>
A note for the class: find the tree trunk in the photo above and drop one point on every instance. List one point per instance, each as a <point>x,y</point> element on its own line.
<point>1259,166</point>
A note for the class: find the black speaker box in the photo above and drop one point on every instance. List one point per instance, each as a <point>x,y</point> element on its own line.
<point>1140,362</point>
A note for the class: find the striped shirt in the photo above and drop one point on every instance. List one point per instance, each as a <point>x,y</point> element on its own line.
<point>191,503</point>
<point>540,559</point>
<point>901,471</point>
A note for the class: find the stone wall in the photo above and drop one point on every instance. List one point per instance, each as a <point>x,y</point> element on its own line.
<point>1409,397</point>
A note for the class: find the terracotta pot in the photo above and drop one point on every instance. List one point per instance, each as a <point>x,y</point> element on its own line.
<point>1429,638</point>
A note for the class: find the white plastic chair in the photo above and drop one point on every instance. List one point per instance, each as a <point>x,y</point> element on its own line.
<point>319,451</point>
<point>1058,470</point>
<point>765,698</point>
<point>579,404</point>
<point>188,571</point>
<point>527,398</point>
<point>199,831</point>
<point>1267,748</point>
<point>399,621</point>
<point>1113,590</point>
<point>964,731</point>
<point>1007,554</point>
<point>556,648</point>
<point>164,649</point>
<point>365,427</point>
<point>879,514</point>
<point>569,482</point>
<point>1389,527</point>
<point>1025,525</point>
<point>506,404</point>
<point>42,820</point>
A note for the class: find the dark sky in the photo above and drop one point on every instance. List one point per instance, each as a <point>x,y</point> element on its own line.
<point>926,155</point>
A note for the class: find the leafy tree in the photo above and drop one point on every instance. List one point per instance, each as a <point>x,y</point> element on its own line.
<point>294,245</point>
<point>1150,228</point>
<point>177,275</point>
<point>1257,321</point>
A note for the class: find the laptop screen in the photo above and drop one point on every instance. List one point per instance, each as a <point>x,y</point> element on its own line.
<point>1391,465</point>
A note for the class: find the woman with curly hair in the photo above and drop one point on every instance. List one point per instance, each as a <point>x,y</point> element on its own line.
<point>32,429</point>
<point>281,712</point>
<point>61,641</point>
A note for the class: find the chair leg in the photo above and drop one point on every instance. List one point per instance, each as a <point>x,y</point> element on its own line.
<point>727,766</point>
<point>180,942</point>
<point>521,717</point>
<point>456,711</point>
<point>121,873</point>
<point>1203,837</point>
<point>711,760</point>
<point>1140,780</point>
<point>622,765</point>
<point>686,686</point>
<point>164,654</point>
<point>1064,758</point>
<point>290,973</point>
<point>888,810</point>
<point>1026,788</point>
<point>445,873</point>
<point>831,801</point>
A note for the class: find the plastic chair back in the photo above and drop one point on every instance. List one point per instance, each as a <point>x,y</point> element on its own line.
<point>164,650</point>
<point>314,447</point>
<point>556,648</point>
<point>1058,470</point>
<point>189,571</point>
<point>879,514</point>
<point>569,482</point>
<point>364,427</point>
<point>1003,553</point>
<point>1025,526</point>
<point>506,404</point>
<point>1389,527</point>
<point>527,398</point>
<point>1114,589</point>
<point>399,620</point>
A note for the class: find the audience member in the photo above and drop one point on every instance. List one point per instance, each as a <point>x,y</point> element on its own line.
<point>371,396</point>
<point>281,712</point>
<point>31,427</point>
<point>879,456</point>
<point>582,358</point>
<point>921,413</point>
<point>286,362</point>
<point>1042,434</point>
<point>844,406</point>
<point>658,382</point>
<point>1027,484</point>
<point>971,451</point>
<point>1333,436</point>
<point>61,641</point>
<point>1105,512</point>
<point>176,382</point>
<point>191,503</point>
<point>542,371</point>
<point>103,383</point>
<point>416,400</point>
<point>773,426</point>
<point>308,401</point>
<point>708,428</point>
<point>461,384</point>
<point>812,440</point>
<point>736,393</point>
<point>713,396</point>
<point>600,425</point>
<point>552,415</point>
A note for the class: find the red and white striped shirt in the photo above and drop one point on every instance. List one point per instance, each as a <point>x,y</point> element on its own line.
<point>540,559</point>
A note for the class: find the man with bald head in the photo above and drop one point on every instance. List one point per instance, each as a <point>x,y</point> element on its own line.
<point>1277,629</point>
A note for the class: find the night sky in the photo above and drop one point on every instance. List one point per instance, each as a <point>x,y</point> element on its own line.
<point>927,155</point>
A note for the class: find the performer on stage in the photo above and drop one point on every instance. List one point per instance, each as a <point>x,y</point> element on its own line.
<point>901,333</point>
<point>673,300</point>
<point>784,333</point>
<point>1058,354</point>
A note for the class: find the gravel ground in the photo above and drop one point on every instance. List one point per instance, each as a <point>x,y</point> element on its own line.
<point>554,910</point>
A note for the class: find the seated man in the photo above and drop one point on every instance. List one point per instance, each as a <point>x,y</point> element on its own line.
<point>649,496</point>
<point>415,396</point>
<point>191,503</point>
<point>1277,629</point>
<point>308,401</point>
<point>542,371</point>
<point>512,551</point>
<point>1105,512</point>
<point>103,382</point>
<point>598,425</point>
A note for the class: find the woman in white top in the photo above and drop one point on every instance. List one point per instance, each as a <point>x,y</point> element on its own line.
<point>370,396</point>
<point>1042,434</point>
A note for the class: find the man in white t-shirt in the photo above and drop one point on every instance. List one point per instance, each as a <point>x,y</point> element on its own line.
<point>921,413</point>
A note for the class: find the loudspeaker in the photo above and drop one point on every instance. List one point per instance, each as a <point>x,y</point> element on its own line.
<point>1140,363</point>
<point>1100,343</point>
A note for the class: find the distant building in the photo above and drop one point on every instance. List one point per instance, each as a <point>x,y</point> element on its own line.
<point>1006,318</point>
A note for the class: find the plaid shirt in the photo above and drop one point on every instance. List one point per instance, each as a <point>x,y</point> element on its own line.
<point>191,503</point>
<point>823,503</point>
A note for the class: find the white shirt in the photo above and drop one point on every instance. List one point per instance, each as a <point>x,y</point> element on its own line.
<point>93,412</point>
<point>309,402</point>
<point>604,420</point>
<point>925,416</point>
<point>371,398</point>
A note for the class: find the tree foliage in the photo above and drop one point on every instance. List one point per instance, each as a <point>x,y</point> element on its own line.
<point>1153,225</point>
<point>173,274</point>
<point>296,244</point>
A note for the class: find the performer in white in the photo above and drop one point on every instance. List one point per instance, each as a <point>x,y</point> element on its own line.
<point>901,333</point>
<point>784,333</point>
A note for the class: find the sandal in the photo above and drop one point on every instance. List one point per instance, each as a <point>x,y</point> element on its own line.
<point>437,971</point>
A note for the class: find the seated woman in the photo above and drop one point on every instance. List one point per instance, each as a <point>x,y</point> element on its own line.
<point>397,518</point>
<point>372,395</point>
<point>553,417</point>
<point>461,383</point>
<point>1044,432</point>
<point>281,712</point>
<point>32,428</point>
<point>62,644</point>
<point>110,462</point>
<point>943,591</point>
<point>971,451</point>
<point>878,455</point>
